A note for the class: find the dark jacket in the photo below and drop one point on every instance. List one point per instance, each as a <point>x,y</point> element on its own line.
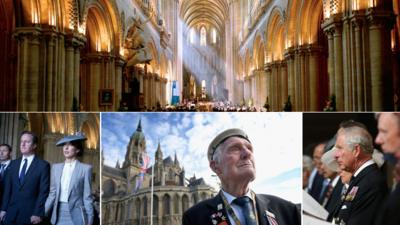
<point>390,212</point>
<point>21,201</point>
<point>286,213</point>
<point>364,198</point>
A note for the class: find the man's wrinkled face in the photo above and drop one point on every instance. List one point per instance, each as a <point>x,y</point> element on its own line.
<point>389,133</point>
<point>343,154</point>
<point>236,161</point>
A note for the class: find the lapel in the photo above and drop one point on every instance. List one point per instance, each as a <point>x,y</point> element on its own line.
<point>74,177</point>
<point>262,207</point>
<point>31,168</point>
<point>217,207</point>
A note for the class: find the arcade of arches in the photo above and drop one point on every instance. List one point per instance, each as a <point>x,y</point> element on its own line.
<point>107,55</point>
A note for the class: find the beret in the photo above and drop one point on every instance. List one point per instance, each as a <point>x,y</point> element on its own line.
<point>220,138</point>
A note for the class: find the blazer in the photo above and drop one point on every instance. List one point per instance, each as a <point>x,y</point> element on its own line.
<point>316,185</point>
<point>335,198</point>
<point>6,169</point>
<point>286,213</point>
<point>21,201</point>
<point>80,201</point>
<point>390,212</point>
<point>363,199</point>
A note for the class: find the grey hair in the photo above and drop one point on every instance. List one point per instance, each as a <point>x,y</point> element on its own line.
<point>307,163</point>
<point>218,154</point>
<point>356,135</point>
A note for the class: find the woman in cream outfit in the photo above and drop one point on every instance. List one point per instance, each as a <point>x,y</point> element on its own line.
<point>69,200</point>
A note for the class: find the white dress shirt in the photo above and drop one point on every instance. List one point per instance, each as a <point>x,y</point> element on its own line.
<point>66,180</point>
<point>28,161</point>
<point>237,209</point>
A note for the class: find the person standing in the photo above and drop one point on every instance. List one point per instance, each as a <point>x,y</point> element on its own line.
<point>70,201</point>
<point>5,159</point>
<point>26,185</point>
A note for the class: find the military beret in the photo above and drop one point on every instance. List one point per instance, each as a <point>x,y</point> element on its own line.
<point>76,137</point>
<point>220,138</point>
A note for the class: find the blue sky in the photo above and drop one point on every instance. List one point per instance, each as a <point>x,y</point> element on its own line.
<point>276,138</point>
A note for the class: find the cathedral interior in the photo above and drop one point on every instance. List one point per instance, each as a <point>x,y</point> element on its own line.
<point>50,128</point>
<point>109,55</point>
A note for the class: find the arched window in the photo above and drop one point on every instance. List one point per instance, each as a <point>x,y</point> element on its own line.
<point>144,206</point>
<point>166,202</point>
<point>203,36</point>
<point>185,203</point>
<point>137,206</point>
<point>192,36</point>
<point>155,205</point>
<point>214,36</point>
<point>176,204</point>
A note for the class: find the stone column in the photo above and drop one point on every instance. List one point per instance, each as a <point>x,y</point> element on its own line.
<point>69,74</point>
<point>380,24</point>
<point>313,78</point>
<point>119,63</point>
<point>359,63</point>
<point>284,83</point>
<point>289,57</point>
<point>268,84</point>
<point>50,36</point>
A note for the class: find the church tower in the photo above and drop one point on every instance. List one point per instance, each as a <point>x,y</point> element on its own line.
<point>159,178</point>
<point>136,149</point>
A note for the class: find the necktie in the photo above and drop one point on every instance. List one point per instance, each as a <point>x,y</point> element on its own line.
<point>247,209</point>
<point>2,166</point>
<point>23,171</point>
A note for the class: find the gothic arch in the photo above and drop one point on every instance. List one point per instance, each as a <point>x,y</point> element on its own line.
<point>167,205</point>
<point>258,52</point>
<point>156,204</point>
<point>176,202</point>
<point>275,36</point>
<point>185,202</point>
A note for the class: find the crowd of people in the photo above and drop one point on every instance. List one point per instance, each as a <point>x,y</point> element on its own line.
<point>348,176</point>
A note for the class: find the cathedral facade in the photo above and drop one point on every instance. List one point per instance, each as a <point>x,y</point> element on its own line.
<point>109,55</point>
<point>124,201</point>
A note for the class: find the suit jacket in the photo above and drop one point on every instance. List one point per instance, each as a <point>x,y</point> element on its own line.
<point>286,213</point>
<point>21,201</point>
<point>390,213</point>
<point>335,198</point>
<point>6,169</point>
<point>364,197</point>
<point>316,186</point>
<point>80,201</point>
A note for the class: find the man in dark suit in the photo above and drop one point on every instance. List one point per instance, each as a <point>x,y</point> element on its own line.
<point>5,159</point>
<point>231,157</point>
<point>389,140</point>
<point>367,188</point>
<point>316,178</point>
<point>26,185</point>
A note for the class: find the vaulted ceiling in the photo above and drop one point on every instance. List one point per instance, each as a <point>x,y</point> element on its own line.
<point>213,12</point>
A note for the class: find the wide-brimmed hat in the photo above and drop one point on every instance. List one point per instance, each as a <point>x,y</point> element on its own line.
<point>234,132</point>
<point>70,138</point>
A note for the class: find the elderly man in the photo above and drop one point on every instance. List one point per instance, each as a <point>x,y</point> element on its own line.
<point>231,157</point>
<point>389,140</point>
<point>367,188</point>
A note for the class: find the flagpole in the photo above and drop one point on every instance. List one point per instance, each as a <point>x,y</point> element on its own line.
<point>152,190</point>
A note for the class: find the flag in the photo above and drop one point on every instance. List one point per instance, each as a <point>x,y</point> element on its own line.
<point>144,163</point>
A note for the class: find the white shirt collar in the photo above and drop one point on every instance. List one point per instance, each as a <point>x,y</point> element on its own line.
<point>335,180</point>
<point>29,158</point>
<point>72,164</point>
<point>6,163</point>
<point>230,198</point>
<point>367,163</point>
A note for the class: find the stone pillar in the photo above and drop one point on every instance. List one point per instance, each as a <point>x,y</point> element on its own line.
<point>284,83</point>
<point>359,63</point>
<point>268,84</point>
<point>313,78</point>
<point>291,76</point>
<point>49,76</point>
<point>69,75</point>
<point>28,69</point>
<point>119,63</point>
<point>380,24</point>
